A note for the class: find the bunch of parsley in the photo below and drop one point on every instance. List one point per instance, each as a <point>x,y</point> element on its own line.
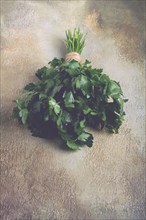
<point>70,96</point>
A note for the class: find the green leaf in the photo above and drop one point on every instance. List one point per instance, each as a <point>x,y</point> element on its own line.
<point>57,109</point>
<point>72,68</point>
<point>59,122</point>
<point>114,89</point>
<point>104,79</point>
<point>86,138</point>
<point>82,124</point>
<point>79,127</point>
<point>87,110</point>
<point>87,62</point>
<point>43,96</point>
<point>41,72</point>
<point>55,90</point>
<point>30,87</point>
<point>94,113</point>
<point>54,105</point>
<point>66,117</point>
<point>83,83</point>
<point>56,62</point>
<point>103,116</point>
<point>49,85</point>
<point>23,115</point>
<point>72,145</point>
<point>69,99</point>
<point>73,64</point>
<point>60,125</point>
<point>20,103</point>
<point>70,65</point>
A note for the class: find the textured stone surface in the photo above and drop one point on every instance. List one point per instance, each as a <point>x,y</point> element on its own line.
<point>40,180</point>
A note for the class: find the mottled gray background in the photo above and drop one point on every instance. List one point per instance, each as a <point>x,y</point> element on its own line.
<point>39,180</point>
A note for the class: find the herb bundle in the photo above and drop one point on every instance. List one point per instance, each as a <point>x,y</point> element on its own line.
<point>70,96</point>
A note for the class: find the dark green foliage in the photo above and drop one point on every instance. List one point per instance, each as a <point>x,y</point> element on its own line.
<point>68,97</point>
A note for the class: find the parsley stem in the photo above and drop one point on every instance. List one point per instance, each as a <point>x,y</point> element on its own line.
<point>75,42</point>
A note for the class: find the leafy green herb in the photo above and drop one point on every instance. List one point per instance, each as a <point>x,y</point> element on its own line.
<point>70,96</point>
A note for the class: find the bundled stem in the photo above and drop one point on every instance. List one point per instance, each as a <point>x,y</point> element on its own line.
<point>75,41</point>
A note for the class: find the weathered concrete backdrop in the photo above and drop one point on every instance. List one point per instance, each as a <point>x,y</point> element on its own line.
<point>39,180</point>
